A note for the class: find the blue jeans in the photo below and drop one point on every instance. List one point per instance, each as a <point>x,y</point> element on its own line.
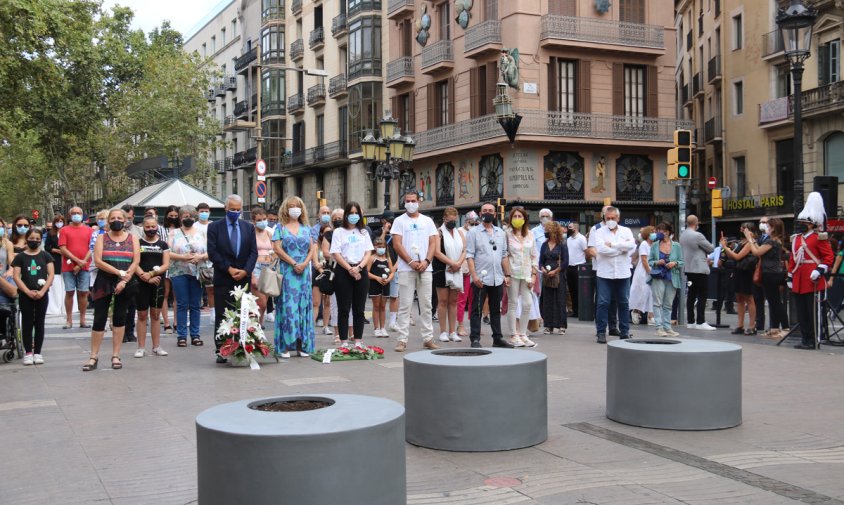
<point>617,290</point>
<point>663,296</point>
<point>188,293</point>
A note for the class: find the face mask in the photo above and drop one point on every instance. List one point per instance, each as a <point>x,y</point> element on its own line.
<point>2,232</point>
<point>653,237</point>
<point>544,219</point>
<point>325,218</point>
<point>261,225</point>
<point>150,233</point>
<point>517,223</point>
<point>233,215</point>
<point>353,219</point>
<point>188,222</point>
<point>76,218</point>
<point>337,223</point>
<point>294,212</point>
<point>174,220</point>
<point>411,207</point>
<point>33,244</point>
<point>101,223</point>
<point>802,227</point>
<point>203,216</point>
<point>380,251</point>
<point>116,225</point>
<point>612,224</point>
<point>59,225</point>
<point>488,218</point>
<point>763,227</point>
<point>450,224</point>
<point>22,229</point>
<point>660,236</point>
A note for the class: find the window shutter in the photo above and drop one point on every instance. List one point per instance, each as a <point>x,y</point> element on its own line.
<point>432,106</point>
<point>584,86</point>
<point>451,100</point>
<point>618,89</point>
<point>652,83</point>
<point>491,81</point>
<point>823,64</point>
<point>553,80</point>
<point>411,113</point>
<point>473,92</point>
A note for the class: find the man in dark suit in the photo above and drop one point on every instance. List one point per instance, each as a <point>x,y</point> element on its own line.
<point>233,250</point>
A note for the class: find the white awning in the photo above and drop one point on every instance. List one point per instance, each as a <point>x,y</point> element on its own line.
<point>171,192</point>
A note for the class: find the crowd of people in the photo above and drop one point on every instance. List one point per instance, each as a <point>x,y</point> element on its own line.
<point>500,271</point>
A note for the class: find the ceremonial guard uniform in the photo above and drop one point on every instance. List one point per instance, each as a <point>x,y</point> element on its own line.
<point>811,258</point>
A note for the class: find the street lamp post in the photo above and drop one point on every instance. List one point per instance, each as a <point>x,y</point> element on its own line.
<point>384,155</point>
<point>796,23</point>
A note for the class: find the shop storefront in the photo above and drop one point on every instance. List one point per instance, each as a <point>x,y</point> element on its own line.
<point>738,210</point>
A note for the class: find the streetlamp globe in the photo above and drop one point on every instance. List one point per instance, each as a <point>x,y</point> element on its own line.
<point>388,126</point>
<point>796,23</point>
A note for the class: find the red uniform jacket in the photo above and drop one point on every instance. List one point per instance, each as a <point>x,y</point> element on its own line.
<point>801,263</point>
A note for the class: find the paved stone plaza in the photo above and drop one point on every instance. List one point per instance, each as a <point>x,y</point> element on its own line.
<point>128,436</point>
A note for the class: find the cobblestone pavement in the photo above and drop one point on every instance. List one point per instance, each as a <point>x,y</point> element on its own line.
<point>128,436</point>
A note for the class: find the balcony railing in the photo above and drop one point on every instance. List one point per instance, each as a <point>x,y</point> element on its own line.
<point>772,43</point>
<point>230,82</point>
<point>712,129</point>
<point>245,59</point>
<point>436,53</point>
<point>337,86</point>
<point>296,6</point>
<point>316,94</point>
<point>241,108</point>
<point>827,98</point>
<point>297,49</point>
<point>218,167</point>
<point>274,13</point>
<point>394,5</point>
<point>364,6</point>
<point>333,151</point>
<point>339,27</point>
<point>553,124</point>
<point>228,164</point>
<point>601,31</point>
<point>481,34</point>
<point>697,84</point>
<point>211,94</point>
<point>295,103</point>
<point>317,38</point>
<point>220,88</point>
<point>714,68</point>
<point>402,67</point>
<point>238,160</point>
<point>251,155</point>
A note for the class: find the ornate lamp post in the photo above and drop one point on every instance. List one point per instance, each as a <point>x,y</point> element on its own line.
<point>386,154</point>
<point>796,23</point>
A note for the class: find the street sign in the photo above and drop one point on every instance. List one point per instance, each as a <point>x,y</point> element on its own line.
<point>712,183</point>
<point>261,167</point>
<point>261,177</point>
<point>261,189</point>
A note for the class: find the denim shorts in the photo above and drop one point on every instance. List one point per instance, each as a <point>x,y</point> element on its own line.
<point>256,273</point>
<point>77,282</point>
<point>394,286</point>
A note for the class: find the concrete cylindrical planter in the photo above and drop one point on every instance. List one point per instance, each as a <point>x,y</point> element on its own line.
<point>476,399</point>
<point>350,451</point>
<point>674,384</point>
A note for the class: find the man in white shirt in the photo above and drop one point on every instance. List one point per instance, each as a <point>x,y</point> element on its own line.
<point>592,253</point>
<point>576,244</point>
<point>415,241</point>
<point>613,244</point>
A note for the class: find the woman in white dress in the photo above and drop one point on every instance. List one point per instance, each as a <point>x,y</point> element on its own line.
<point>641,301</point>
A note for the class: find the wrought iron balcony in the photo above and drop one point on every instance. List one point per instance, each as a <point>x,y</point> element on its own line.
<point>296,7</point>
<point>251,155</point>
<point>398,8</point>
<point>316,95</point>
<point>235,123</point>
<point>339,26</point>
<point>272,108</point>
<point>483,37</point>
<point>296,103</point>
<point>211,94</point>
<point>297,49</point>
<point>437,57</point>
<point>400,71</point>
<point>238,160</point>
<point>230,82</point>
<point>242,62</point>
<point>697,84</point>
<point>273,14</point>
<point>772,44</point>
<point>337,86</point>
<point>333,153</point>
<point>542,123</point>
<point>364,6</point>
<point>317,38</point>
<point>220,89</point>
<point>600,31</point>
<point>714,68</point>
<point>219,167</point>
<point>712,130</point>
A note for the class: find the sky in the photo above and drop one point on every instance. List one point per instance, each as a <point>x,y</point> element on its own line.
<point>184,15</point>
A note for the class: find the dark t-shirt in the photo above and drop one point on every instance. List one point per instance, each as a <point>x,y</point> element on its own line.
<point>152,254</point>
<point>772,260</point>
<point>33,268</point>
<point>52,242</point>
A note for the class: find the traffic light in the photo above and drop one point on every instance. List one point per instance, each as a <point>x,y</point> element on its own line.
<point>322,202</point>
<point>680,157</point>
<point>501,203</point>
<point>717,204</point>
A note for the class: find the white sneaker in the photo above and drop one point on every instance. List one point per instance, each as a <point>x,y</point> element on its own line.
<point>635,317</point>
<point>454,337</point>
<point>660,332</point>
<point>27,360</point>
<point>515,341</point>
<point>651,322</point>
<point>269,317</point>
<point>692,326</point>
<point>671,333</point>
<point>705,326</point>
<point>393,326</point>
<point>285,355</point>
<point>38,359</point>
<point>346,345</point>
<point>444,337</point>
<point>528,342</point>
<point>321,323</point>
<point>158,351</point>
<point>140,353</point>
<point>328,330</point>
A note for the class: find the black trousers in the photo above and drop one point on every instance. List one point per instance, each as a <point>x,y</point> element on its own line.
<point>479,295</point>
<point>759,297</point>
<point>130,318</point>
<point>351,294</point>
<point>698,289</point>
<point>771,283</point>
<point>571,283</point>
<point>223,299</point>
<point>805,306</point>
<point>33,313</point>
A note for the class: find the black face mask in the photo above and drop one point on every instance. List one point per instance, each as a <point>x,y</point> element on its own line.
<point>802,227</point>
<point>150,233</point>
<point>187,223</point>
<point>33,244</point>
<point>116,225</point>
<point>488,218</point>
<point>450,224</point>
<point>173,220</point>
<point>337,223</point>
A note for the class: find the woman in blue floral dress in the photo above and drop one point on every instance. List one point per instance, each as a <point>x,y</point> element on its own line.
<point>295,247</point>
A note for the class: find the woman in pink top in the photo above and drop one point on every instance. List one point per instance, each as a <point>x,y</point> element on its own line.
<point>265,254</point>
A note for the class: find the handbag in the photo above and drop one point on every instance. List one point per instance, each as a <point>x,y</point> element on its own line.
<point>269,282</point>
<point>757,274</point>
<point>551,282</point>
<point>325,280</point>
<point>205,275</point>
<point>748,263</point>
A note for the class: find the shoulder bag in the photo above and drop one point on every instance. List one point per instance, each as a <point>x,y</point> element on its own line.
<point>269,282</point>
<point>325,280</point>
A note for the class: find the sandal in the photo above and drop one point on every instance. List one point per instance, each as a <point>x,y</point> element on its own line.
<point>182,343</point>
<point>118,365</point>
<point>738,331</point>
<point>196,341</point>
<point>87,367</point>
<point>86,326</point>
<point>67,326</point>
<point>751,331</point>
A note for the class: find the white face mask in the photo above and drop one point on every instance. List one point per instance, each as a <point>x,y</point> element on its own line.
<point>612,225</point>
<point>411,207</point>
<point>294,212</point>
<point>544,219</point>
<point>763,227</point>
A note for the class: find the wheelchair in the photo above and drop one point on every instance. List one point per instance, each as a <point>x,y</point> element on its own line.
<point>10,339</point>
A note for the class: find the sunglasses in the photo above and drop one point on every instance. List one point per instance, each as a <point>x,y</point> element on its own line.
<point>492,243</point>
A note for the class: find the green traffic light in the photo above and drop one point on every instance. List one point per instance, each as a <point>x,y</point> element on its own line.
<point>683,171</point>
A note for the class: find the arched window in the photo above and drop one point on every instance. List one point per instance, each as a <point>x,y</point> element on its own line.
<point>833,155</point>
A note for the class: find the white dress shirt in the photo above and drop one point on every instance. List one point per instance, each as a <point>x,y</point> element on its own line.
<point>577,249</point>
<point>614,252</point>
